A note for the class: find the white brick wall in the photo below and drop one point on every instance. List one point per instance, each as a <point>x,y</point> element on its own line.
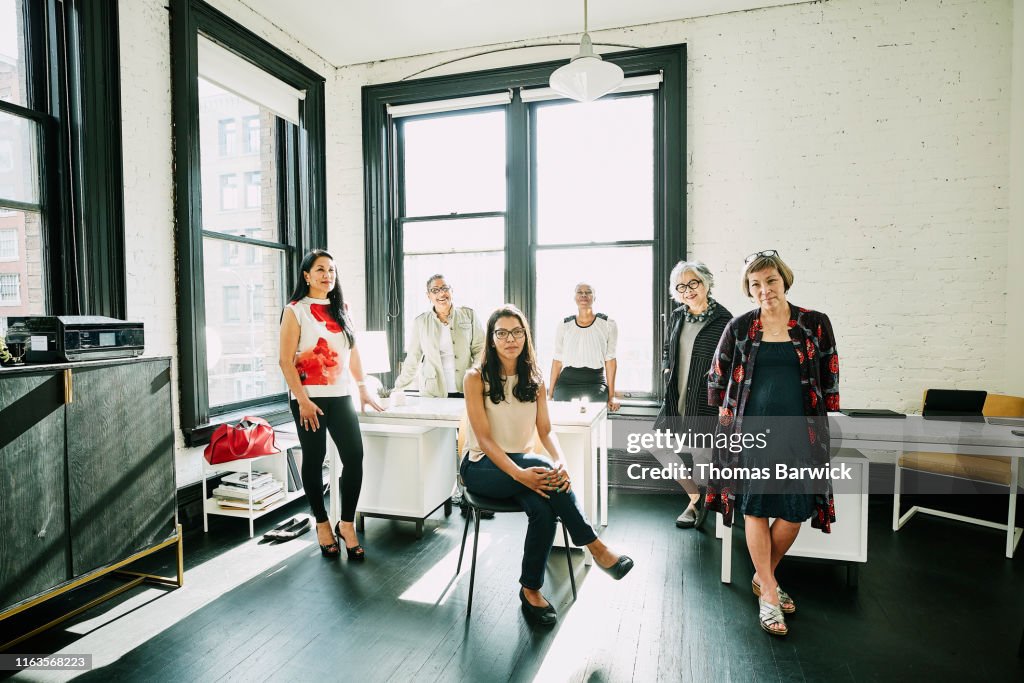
<point>867,140</point>
<point>864,140</point>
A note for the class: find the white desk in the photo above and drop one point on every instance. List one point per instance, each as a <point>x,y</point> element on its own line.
<point>913,434</point>
<point>583,437</point>
<point>939,436</point>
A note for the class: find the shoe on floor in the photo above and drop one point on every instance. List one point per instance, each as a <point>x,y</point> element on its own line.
<point>543,616</point>
<point>688,519</point>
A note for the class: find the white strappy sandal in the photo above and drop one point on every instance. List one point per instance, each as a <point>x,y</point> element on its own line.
<point>785,602</point>
<point>771,616</point>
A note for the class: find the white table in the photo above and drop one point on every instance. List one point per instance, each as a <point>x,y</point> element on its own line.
<point>913,434</point>
<point>939,436</point>
<point>583,437</point>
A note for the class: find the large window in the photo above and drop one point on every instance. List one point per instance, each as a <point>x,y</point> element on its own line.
<point>249,147</point>
<point>61,225</point>
<point>521,201</point>
<point>454,215</point>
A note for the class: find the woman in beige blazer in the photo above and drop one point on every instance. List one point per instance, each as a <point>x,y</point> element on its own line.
<point>445,342</point>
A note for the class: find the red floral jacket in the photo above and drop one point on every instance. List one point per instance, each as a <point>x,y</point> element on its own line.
<point>729,383</point>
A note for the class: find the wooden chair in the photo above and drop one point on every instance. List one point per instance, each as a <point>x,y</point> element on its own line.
<point>990,469</point>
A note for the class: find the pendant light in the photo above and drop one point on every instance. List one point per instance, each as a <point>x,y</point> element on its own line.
<point>586,77</point>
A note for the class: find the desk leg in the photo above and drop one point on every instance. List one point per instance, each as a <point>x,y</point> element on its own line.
<point>725,533</point>
<point>334,504</point>
<point>1012,535</point>
<point>602,457</point>
<point>896,494</point>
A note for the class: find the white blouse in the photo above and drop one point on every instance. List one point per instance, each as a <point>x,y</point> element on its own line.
<point>586,347</point>
<point>323,352</point>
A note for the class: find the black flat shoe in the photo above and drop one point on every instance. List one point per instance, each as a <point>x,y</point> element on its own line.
<point>543,616</point>
<point>619,569</point>
<point>295,528</point>
<point>355,552</point>
<point>272,534</point>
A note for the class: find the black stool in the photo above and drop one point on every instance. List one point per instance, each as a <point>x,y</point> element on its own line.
<point>477,503</point>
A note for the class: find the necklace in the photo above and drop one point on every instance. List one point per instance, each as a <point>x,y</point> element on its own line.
<point>701,317</point>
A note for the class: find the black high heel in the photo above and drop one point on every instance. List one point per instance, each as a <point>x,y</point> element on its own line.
<point>331,551</point>
<point>355,552</point>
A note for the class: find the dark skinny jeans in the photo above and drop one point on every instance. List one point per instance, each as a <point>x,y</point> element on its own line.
<point>484,478</point>
<point>340,420</point>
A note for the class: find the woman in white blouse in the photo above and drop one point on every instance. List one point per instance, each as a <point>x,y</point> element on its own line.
<point>584,359</point>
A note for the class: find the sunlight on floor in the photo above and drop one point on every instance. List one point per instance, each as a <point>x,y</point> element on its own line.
<point>579,634</point>
<point>108,637</point>
<point>437,584</point>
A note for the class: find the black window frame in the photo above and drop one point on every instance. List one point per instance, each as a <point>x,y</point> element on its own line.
<point>382,183</point>
<point>73,92</point>
<point>301,196</point>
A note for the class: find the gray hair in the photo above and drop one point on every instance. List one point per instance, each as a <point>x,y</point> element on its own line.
<point>702,272</point>
<point>435,276</point>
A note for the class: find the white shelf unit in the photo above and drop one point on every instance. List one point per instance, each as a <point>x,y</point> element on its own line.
<point>276,465</point>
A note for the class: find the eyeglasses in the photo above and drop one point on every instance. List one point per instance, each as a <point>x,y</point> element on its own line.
<point>517,334</point>
<point>692,284</point>
<point>439,290</point>
<point>768,253</point>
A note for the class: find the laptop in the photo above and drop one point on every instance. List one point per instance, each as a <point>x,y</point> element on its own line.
<point>1006,421</point>
<point>954,404</point>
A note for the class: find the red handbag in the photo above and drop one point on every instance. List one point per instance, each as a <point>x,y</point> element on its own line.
<point>250,438</point>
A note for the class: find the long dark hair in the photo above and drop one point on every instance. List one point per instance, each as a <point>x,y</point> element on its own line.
<point>527,372</point>
<point>336,307</point>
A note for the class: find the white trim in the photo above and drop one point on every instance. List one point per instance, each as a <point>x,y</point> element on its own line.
<point>455,104</point>
<point>631,84</point>
<point>227,70</point>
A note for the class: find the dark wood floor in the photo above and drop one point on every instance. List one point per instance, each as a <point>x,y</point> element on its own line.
<point>937,601</point>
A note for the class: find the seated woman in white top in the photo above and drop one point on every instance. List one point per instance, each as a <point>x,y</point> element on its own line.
<point>506,403</point>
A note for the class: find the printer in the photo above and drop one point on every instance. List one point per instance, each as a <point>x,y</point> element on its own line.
<point>67,338</point>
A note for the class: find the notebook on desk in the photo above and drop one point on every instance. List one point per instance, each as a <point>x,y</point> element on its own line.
<point>954,404</point>
<point>870,412</point>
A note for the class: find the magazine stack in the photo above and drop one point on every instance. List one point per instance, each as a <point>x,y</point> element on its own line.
<point>236,488</point>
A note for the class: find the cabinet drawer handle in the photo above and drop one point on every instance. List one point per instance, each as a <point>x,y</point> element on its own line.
<point>68,386</point>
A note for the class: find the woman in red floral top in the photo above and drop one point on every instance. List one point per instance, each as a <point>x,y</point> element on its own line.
<point>775,373</point>
<point>317,352</point>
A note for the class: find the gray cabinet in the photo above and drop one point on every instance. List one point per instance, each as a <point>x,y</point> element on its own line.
<point>86,470</point>
<point>33,515</point>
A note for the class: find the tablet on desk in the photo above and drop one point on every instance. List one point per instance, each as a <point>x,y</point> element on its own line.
<point>871,412</point>
<point>1006,421</point>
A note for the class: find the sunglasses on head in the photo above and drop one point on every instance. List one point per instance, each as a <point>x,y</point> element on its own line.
<point>768,253</point>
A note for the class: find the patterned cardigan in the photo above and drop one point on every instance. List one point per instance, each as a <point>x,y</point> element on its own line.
<point>729,383</point>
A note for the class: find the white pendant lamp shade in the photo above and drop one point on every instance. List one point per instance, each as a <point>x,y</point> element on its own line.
<point>587,77</point>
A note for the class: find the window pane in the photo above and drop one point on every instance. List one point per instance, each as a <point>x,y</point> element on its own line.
<point>234,184</point>
<point>243,308</point>
<point>477,280</point>
<point>21,265</point>
<point>595,171</point>
<point>455,164</point>
<point>19,159</point>
<point>620,277</point>
<point>470,234</point>
<point>12,52</point>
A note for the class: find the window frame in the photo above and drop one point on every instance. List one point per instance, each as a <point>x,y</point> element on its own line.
<point>73,91</point>
<point>301,196</point>
<point>382,184</point>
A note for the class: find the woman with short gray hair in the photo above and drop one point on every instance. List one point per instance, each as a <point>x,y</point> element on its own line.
<point>694,329</point>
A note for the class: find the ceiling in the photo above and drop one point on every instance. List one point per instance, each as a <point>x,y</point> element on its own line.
<point>355,31</point>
